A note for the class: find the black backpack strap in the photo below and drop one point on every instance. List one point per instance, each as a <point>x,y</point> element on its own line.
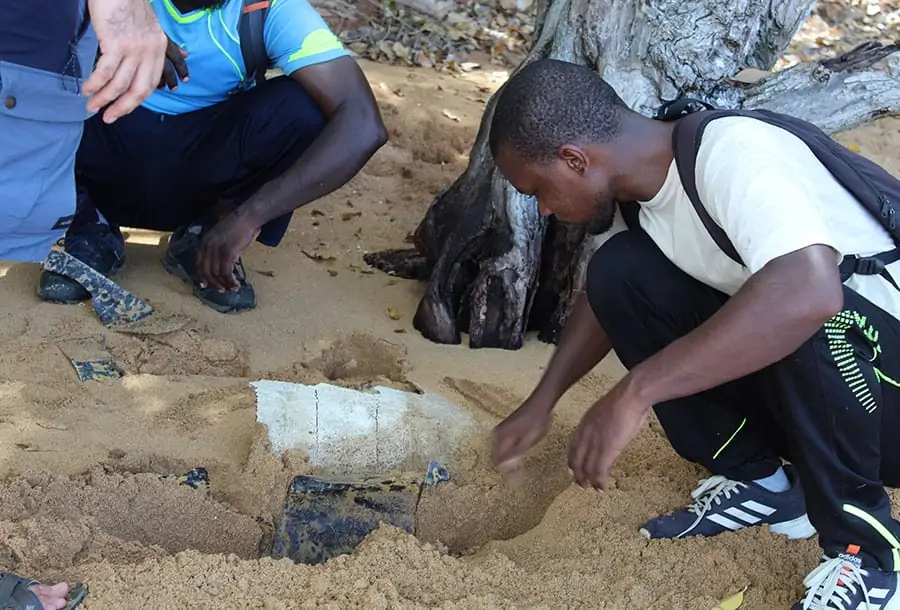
<point>685,144</point>
<point>686,137</point>
<point>870,265</point>
<point>683,106</point>
<point>253,45</point>
<point>630,211</point>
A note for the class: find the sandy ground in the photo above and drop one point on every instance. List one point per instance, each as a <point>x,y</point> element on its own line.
<point>82,499</point>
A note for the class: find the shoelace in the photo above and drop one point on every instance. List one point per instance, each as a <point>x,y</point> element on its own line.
<point>711,491</point>
<point>239,272</point>
<point>197,231</point>
<point>832,583</point>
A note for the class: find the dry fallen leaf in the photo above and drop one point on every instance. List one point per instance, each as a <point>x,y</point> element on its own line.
<point>386,48</point>
<point>267,273</point>
<point>400,50</point>
<point>320,258</point>
<point>392,313</point>
<point>360,48</point>
<point>51,427</point>
<point>854,148</point>
<point>732,603</point>
<point>422,59</point>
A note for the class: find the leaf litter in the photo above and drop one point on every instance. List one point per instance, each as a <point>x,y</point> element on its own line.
<point>439,34</point>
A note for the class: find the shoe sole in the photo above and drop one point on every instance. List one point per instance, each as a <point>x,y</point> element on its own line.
<point>52,301</point>
<point>795,529</point>
<point>173,267</point>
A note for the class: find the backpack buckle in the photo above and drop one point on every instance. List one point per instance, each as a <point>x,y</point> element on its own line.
<point>680,107</point>
<point>868,265</point>
<point>243,86</point>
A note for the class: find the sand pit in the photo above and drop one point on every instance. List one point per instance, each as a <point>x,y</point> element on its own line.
<point>82,498</point>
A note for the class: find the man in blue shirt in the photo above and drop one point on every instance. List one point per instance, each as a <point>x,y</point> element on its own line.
<point>216,162</point>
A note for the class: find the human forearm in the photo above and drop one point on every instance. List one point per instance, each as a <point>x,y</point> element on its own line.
<point>582,345</point>
<point>777,310</point>
<point>349,139</point>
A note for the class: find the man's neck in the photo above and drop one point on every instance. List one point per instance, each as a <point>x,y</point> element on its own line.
<point>186,6</point>
<point>646,156</point>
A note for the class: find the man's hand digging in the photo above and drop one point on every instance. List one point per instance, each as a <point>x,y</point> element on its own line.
<point>519,432</point>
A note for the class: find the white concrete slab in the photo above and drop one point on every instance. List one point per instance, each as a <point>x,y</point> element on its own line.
<point>353,432</point>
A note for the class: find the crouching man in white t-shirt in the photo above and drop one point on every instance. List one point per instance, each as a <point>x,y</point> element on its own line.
<point>743,366</point>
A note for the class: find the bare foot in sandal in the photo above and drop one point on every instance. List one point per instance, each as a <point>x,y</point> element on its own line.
<point>53,597</point>
<point>17,593</point>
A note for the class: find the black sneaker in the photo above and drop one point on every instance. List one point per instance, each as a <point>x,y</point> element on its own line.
<point>841,583</point>
<point>181,261</point>
<point>722,505</point>
<point>97,245</point>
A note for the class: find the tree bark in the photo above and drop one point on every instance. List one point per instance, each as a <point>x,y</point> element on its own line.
<point>495,268</point>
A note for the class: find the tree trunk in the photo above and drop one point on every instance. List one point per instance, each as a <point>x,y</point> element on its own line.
<point>495,268</point>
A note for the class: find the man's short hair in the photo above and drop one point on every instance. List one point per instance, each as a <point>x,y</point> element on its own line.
<point>549,103</point>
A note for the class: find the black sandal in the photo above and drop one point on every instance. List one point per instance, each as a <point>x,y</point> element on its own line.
<point>14,594</point>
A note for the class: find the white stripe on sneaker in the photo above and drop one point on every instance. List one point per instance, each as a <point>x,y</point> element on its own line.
<point>878,593</point>
<point>864,606</point>
<point>747,518</point>
<point>725,522</point>
<point>756,507</point>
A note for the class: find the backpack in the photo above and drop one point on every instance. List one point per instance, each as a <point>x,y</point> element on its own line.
<point>253,45</point>
<point>872,186</point>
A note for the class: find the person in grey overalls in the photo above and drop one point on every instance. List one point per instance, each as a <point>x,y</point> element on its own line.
<point>49,84</point>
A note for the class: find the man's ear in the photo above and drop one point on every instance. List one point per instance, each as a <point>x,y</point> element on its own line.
<point>574,157</point>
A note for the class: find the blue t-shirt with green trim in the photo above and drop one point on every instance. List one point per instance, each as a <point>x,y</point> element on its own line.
<point>295,36</point>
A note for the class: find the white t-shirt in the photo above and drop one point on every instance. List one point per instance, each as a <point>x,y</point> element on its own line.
<point>771,196</point>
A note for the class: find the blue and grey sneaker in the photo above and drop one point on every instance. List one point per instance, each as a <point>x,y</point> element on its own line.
<point>181,261</point>
<point>722,505</point>
<point>841,583</point>
<point>97,245</point>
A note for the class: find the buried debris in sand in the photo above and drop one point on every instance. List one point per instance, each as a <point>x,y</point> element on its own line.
<point>355,437</point>
<point>113,304</point>
<point>91,358</point>
<point>361,432</point>
<point>322,518</point>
